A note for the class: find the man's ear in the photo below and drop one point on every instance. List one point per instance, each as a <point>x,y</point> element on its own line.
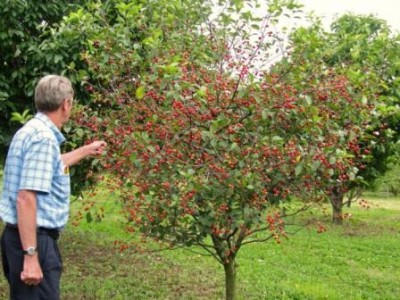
<point>65,104</point>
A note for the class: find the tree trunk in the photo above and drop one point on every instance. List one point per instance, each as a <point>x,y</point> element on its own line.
<point>354,195</point>
<point>230,280</point>
<point>337,205</point>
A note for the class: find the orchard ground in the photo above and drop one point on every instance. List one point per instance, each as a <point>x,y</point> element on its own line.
<point>359,260</point>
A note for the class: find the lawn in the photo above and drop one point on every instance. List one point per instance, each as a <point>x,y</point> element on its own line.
<point>359,260</point>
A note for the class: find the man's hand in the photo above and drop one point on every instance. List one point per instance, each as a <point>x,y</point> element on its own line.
<point>96,148</point>
<point>32,272</point>
<point>75,156</point>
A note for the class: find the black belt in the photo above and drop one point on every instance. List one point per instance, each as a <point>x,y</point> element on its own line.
<point>53,233</point>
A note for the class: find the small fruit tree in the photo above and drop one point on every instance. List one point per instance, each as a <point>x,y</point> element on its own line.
<point>207,151</point>
<point>363,49</point>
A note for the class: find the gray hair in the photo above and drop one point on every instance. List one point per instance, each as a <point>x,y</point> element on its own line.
<point>51,91</point>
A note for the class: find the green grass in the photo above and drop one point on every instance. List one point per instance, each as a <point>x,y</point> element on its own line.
<point>359,260</point>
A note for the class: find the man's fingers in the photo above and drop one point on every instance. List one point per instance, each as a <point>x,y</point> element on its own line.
<point>30,279</point>
<point>32,282</point>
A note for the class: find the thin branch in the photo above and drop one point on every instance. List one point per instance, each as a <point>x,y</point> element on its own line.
<point>258,240</point>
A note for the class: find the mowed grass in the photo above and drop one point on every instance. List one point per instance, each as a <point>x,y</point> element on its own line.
<point>359,260</point>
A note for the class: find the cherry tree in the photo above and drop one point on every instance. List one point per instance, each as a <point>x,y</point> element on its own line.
<point>206,149</point>
<point>363,49</point>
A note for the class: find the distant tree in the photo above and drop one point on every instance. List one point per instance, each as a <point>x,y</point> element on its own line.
<point>390,183</point>
<point>23,26</point>
<point>363,49</point>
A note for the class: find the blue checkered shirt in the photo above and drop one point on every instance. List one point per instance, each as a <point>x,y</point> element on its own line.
<point>34,163</point>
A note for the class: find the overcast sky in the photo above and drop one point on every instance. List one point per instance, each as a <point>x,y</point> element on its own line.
<point>388,10</point>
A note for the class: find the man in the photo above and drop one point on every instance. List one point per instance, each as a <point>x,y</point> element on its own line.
<point>35,199</point>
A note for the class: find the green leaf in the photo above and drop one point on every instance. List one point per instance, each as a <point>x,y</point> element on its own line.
<point>205,220</point>
<point>277,139</point>
<point>133,157</point>
<point>57,58</point>
<point>95,161</point>
<point>298,170</point>
<point>89,217</point>
<point>80,132</point>
<point>234,146</point>
<point>140,92</point>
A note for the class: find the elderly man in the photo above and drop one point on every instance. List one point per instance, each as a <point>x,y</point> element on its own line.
<point>35,201</point>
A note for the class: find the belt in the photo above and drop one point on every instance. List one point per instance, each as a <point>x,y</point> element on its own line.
<point>53,233</point>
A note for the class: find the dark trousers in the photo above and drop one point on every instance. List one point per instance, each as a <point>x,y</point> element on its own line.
<point>49,259</point>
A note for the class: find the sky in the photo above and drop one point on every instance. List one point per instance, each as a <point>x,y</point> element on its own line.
<point>388,10</point>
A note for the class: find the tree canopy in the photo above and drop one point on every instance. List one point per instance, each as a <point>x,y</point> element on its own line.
<point>24,25</point>
<point>204,149</point>
<point>363,49</point>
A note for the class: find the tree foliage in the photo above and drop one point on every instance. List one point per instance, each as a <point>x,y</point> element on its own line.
<point>363,49</point>
<point>23,27</point>
<point>205,147</point>
<point>39,38</point>
<point>99,28</point>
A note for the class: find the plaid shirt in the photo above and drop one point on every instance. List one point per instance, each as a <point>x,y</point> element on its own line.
<point>34,163</point>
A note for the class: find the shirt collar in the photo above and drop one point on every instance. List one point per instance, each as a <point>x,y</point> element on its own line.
<point>57,133</point>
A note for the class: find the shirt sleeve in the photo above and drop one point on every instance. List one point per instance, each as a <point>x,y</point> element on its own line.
<point>37,168</point>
